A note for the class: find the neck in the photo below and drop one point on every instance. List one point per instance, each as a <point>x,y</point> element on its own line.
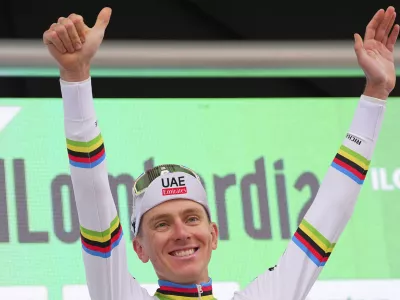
<point>170,290</point>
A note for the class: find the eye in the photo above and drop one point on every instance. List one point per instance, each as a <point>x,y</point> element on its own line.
<point>193,219</point>
<point>161,225</point>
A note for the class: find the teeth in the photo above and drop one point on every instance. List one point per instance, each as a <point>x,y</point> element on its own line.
<point>183,253</point>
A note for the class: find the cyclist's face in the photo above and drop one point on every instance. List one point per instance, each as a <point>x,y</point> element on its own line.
<point>177,237</point>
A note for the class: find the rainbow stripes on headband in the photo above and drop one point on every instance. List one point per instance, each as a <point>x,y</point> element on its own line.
<point>101,243</point>
<point>313,243</point>
<point>86,154</point>
<point>351,164</point>
<point>169,290</point>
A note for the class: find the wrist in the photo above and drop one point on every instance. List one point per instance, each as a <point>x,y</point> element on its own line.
<point>76,75</point>
<point>378,92</point>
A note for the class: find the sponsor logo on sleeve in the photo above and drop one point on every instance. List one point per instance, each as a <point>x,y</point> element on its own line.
<point>353,139</point>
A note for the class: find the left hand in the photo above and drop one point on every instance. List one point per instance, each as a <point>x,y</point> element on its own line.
<point>375,53</point>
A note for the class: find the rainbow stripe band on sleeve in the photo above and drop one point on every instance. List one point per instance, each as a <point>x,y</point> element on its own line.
<point>86,154</point>
<point>351,164</point>
<point>102,243</point>
<point>312,243</point>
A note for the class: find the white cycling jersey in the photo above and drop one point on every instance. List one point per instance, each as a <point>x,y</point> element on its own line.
<point>103,243</point>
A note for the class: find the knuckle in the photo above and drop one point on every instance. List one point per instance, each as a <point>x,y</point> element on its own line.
<point>53,35</point>
<point>75,39</point>
<point>75,17</point>
<point>72,18</point>
<point>68,23</point>
<point>60,29</point>
<point>45,36</point>
<point>60,19</point>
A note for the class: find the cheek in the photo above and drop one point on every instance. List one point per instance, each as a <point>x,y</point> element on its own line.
<point>155,245</point>
<point>204,236</point>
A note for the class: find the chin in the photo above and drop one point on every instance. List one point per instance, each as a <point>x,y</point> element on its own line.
<point>188,273</point>
<point>189,269</point>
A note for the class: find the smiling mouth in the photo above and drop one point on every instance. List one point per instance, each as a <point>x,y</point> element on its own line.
<point>183,253</point>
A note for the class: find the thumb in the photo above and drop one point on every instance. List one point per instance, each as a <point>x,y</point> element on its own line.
<point>358,44</point>
<point>103,18</point>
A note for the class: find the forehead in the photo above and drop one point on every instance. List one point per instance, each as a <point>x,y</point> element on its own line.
<point>174,207</point>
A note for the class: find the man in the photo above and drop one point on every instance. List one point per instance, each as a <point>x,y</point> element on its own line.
<point>171,219</point>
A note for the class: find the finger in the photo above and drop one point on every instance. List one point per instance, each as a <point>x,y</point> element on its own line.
<point>47,34</point>
<point>373,24</point>
<point>79,25</point>
<point>72,33</point>
<point>53,26</point>
<point>64,37</point>
<point>60,20</point>
<point>380,32</point>
<point>103,18</point>
<point>358,44</point>
<point>393,38</point>
<point>50,37</point>
<point>388,28</point>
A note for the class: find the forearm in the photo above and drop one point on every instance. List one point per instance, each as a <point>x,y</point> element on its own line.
<point>104,248</point>
<point>86,153</point>
<point>337,196</point>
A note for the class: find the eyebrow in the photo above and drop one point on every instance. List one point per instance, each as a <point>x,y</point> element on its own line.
<point>168,216</point>
<point>158,217</point>
<point>191,211</point>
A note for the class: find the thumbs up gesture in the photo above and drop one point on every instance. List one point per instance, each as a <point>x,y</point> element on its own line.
<point>73,44</point>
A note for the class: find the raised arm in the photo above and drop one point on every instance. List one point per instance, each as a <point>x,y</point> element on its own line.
<point>316,236</point>
<point>73,44</point>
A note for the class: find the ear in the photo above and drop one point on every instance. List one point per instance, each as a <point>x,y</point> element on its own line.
<point>214,235</point>
<point>139,249</point>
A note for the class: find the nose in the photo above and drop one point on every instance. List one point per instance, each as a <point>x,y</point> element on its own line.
<point>181,232</point>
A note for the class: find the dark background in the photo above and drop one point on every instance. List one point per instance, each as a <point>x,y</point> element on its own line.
<point>198,19</point>
<point>243,20</point>
<point>193,87</point>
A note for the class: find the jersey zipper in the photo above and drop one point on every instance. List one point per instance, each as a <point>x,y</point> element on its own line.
<point>199,290</point>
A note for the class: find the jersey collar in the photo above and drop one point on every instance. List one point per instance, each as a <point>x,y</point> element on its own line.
<point>174,291</point>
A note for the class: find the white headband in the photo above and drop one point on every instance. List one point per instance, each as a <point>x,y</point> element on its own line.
<point>168,186</point>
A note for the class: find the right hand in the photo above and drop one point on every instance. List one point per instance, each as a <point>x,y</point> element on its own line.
<point>73,44</point>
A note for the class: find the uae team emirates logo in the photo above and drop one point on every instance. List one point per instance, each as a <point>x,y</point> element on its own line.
<point>173,186</point>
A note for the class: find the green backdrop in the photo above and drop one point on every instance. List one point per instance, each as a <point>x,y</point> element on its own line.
<point>217,138</point>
